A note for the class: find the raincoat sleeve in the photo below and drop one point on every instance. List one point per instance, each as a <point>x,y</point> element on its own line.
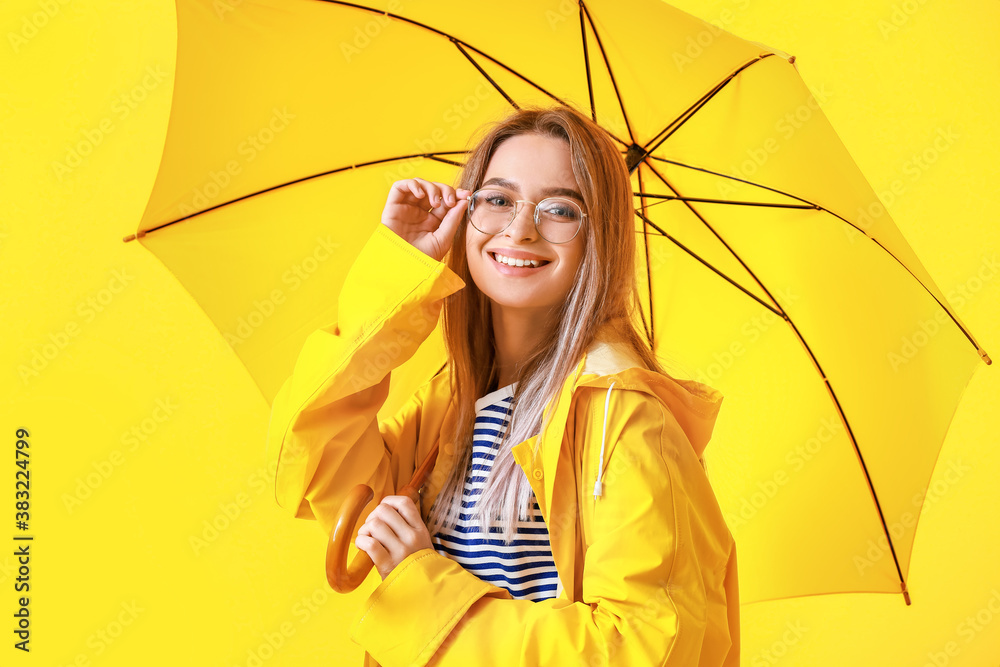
<point>323,437</point>
<point>654,579</point>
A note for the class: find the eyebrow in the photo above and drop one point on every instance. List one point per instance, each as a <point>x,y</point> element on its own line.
<point>546,192</point>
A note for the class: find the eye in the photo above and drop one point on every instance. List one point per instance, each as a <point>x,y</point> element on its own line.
<point>496,199</point>
<point>560,209</point>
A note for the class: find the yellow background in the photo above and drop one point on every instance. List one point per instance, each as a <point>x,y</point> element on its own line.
<point>118,576</point>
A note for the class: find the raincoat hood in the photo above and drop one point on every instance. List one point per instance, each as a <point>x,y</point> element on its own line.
<point>693,404</point>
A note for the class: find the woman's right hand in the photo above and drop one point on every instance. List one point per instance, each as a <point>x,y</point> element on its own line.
<point>425,214</point>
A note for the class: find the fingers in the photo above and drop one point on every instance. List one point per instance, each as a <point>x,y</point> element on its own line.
<point>452,219</point>
<point>380,556</point>
<point>430,194</point>
<point>417,535</point>
<point>391,532</point>
<point>389,529</point>
<point>399,515</point>
<point>425,214</point>
<point>406,509</point>
<point>433,191</point>
<point>414,188</point>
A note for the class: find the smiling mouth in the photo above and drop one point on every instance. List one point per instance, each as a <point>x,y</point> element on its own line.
<point>518,263</point>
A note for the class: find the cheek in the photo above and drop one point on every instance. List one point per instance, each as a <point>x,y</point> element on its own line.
<point>473,243</point>
<point>475,262</point>
<point>573,260</point>
<point>572,264</point>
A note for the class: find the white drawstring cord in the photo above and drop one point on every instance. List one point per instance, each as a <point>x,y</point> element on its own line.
<point>600,465</point>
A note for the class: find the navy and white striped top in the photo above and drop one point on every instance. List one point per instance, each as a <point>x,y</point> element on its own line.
<point>524,567</point>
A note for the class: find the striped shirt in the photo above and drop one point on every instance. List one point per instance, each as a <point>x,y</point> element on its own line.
<point>524,567</point>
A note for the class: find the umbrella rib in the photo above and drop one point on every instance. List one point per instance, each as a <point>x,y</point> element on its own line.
<point>651,327</point>
<point>530,82</point>
<point>607,65</point>
<point>483,72</point>
<point>982,353</point>
<point>434,157</point>
<point>509,69</point>
<point>431,156</point>
<point>736,178</point>
<point>586,65</point>
<point>675,124</point>
<point>722,201</point>
<point>717,236</point>
<point>826,381</point>
<point>458,41</point>
<point>861,460</point>
<point>722,275</point>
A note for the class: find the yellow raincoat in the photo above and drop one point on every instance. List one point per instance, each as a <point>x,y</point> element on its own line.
<point>647,570</point>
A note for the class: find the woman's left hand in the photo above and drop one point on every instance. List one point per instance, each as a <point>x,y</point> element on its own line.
<point>393,531</point>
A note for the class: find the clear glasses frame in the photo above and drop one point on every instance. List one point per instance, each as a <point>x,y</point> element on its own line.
<point>471,210</point>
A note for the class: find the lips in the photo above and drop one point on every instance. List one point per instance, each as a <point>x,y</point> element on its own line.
<point>525,262</point>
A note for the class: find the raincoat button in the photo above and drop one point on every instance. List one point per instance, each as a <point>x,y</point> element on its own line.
<point>537,474</point>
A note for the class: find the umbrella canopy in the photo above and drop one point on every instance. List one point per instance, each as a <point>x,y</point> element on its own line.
<point>771,270</point>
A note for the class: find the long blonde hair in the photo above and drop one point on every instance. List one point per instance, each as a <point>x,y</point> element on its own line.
<point>604,294</point>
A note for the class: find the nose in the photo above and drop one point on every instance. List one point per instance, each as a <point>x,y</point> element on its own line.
<point>522,227</point>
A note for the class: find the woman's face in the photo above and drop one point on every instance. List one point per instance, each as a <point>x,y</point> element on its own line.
<point>531,167</point>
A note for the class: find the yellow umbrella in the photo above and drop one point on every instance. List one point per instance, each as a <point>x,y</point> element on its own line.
<point>773,272</point>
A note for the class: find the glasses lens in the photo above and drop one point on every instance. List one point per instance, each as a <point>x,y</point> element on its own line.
<point>558,219</point>
<point>491,210</point>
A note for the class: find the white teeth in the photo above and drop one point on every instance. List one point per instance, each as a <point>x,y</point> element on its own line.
<point>510,261</point>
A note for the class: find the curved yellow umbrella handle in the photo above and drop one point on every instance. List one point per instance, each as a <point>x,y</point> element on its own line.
<point>341,577</point>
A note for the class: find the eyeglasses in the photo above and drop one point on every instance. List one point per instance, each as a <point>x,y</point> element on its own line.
<point>557,219</point>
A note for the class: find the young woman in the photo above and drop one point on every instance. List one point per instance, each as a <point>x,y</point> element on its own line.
<point>568,518</point>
